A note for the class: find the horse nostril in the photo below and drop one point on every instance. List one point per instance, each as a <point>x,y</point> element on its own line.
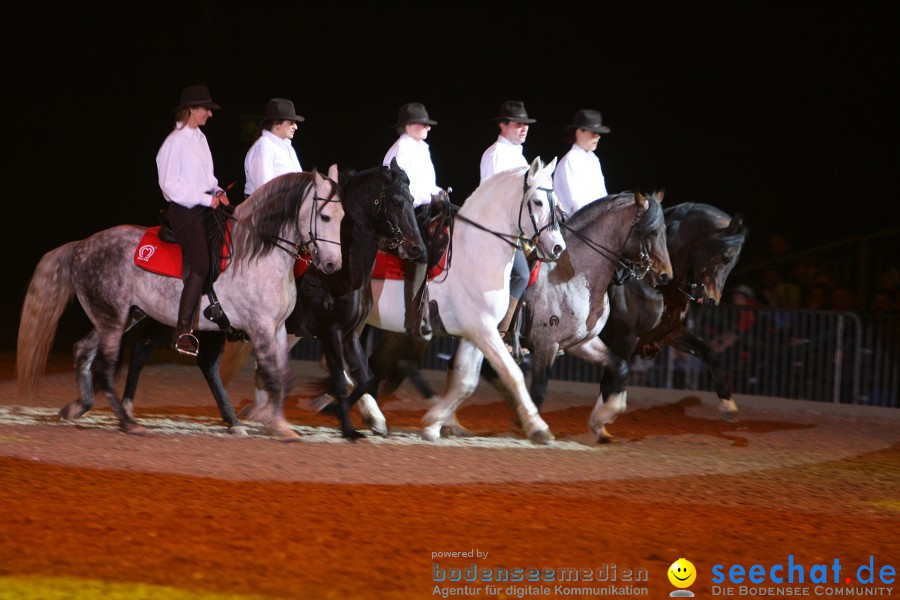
<point>557,250</point>
<point>415,252</point>
<point>329,267</point>
<point>664,278</point>
<point>710,302</point>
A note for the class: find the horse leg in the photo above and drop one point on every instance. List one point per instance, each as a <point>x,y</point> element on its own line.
<point>462,379</point>
<point>496,353</point>
<point>208,359</point>
<point>274,373</point>
<point>105,374</point>
<point>153,335</point>
<point>333,347</point>
<point>542,359</point>
<point>686,340</point>
<point>85,351</point>
<point>612,387</point>
<point>358,364</point>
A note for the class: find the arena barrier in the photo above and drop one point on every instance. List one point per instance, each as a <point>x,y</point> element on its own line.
<point>809,355</point>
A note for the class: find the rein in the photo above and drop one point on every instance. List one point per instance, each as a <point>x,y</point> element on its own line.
<point>627,268</point>
<point>513,239</point>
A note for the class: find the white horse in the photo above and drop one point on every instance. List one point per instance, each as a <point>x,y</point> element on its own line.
<point>472,298</point>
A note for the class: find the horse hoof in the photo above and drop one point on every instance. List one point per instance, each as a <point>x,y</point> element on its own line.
<point>456,430</point>
<point>541,436</point>
<point>132,428</point>
<point>432,433</point>
<point>289,436</point>
<point>71,411</point>
<point>377,427</point>
<point>604,436</point>
<point>352,435</point>
<point>238,431</point>
<point>729,410</point>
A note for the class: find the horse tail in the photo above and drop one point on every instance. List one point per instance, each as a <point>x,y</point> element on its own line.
<point>234,356</point>
<point>49,293</point>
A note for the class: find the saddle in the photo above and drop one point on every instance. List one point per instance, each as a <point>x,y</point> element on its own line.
<point>159,251</point>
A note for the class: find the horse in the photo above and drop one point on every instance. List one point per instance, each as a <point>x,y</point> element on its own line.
<point>470,299</point>
<point>704,243</point>
<point>378,215</point>
<point>292,213</point>
<point>566,307</point>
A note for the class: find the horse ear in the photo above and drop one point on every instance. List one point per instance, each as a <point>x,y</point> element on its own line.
<point>641,200</point>
<point>534,168</point>
<point>395,166</point>
<point>552,165</point>
<point>736,223</point>
<point>660,195</point>
<point>333,172</point>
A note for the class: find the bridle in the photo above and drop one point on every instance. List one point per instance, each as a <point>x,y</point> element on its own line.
<point>395,238</point>
<point>626,268</point>
<point>514,240</point>
<point>308,250</point>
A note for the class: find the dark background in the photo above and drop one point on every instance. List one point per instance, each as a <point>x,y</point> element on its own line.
<point>785,112</point>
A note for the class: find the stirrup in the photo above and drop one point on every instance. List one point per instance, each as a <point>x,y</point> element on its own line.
<point>187,344</point>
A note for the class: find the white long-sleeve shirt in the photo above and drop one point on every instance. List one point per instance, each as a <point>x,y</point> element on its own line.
<point>185,168</point>
<point>415,158</point>
<point>578,179</point>
<point>269,157</point>
<point>501,156</point>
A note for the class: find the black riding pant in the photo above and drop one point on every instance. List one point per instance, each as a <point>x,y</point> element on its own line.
<point>189,226</point>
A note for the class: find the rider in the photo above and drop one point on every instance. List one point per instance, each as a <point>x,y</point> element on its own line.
<point>506,153</point>
<point>272,154</point>
<point>414,157</point>
<point>578,178</point>
<point>188,184</point>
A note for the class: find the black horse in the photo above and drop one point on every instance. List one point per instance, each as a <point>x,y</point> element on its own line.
<point>704,245</point>
<point>378,215</point>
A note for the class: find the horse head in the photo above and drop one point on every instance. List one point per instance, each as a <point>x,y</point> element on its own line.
<point>539,206</point>
<point>648,237</point>
<point>393,216</point>
<point>321,218</point>
<point>705,244</point>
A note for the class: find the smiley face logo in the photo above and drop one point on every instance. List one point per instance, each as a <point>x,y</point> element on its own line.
<point>682,573</point>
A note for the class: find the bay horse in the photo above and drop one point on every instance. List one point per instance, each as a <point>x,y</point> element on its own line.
<point>704,243</point>
<point>291,213</point>
<point>469,301</point>
<point>378,216</point>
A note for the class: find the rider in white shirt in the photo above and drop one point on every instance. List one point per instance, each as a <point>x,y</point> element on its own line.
<point>414,157</point>
<point>504,154</point>
<point>578,178</point>
<point>185,167</point>
<point>272,154</point>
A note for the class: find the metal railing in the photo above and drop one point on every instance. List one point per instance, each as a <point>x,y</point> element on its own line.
<point>810,355</point>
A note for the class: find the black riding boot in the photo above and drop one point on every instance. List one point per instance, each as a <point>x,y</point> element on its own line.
<point>185,340</point>
<point>418,321</point>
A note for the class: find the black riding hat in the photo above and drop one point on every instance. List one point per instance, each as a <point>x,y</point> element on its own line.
<point>413,112</point>
<point>196,95</point>
<point>282,109</point>
<point>513,110</point>
<point>589,120</point>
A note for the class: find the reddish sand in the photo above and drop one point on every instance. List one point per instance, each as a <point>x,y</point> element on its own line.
<point>97,504</point>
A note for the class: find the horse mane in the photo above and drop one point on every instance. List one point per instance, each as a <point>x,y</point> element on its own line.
<point>649,222</point>
<point>712,217</point>
<point>270,212</point>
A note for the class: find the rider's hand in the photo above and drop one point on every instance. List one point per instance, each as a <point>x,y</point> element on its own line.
<point>220,198</point>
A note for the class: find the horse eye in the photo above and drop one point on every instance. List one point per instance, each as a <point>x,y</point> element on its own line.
<point>539,203</point>
<point>326,218</point>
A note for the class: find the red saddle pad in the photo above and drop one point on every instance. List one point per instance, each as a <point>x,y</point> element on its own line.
<point>164,258</point>
<point>388,266</point>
